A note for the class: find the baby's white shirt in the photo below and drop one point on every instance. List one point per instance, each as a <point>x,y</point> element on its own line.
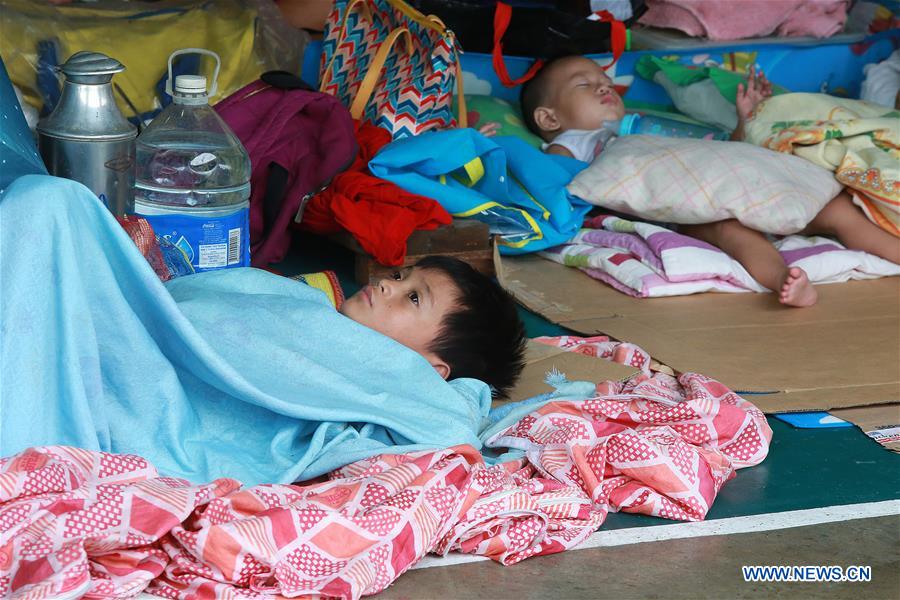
<point>584,144</point>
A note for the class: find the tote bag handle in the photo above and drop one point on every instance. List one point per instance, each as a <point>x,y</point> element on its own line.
<point>618,35</point>
<point>367,87</point>
<point>503,15</point>
<point>326,72</point>
<point>462,114</point>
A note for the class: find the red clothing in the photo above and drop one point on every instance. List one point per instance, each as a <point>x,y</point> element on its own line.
<point>379,214</point>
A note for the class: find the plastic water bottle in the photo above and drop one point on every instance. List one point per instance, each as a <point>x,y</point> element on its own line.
<point>632,124</point>
<point>192,181</point>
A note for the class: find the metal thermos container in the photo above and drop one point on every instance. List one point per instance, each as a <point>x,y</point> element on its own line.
<point>86,138</point>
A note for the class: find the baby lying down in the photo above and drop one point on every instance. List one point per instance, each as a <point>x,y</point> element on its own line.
<point>569,100</point>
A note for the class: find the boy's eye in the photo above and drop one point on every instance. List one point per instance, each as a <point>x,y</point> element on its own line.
<point>396,275</point>
<point>414,298</point>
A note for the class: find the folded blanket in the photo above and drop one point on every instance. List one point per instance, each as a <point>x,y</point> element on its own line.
<point>648,261</point>
<point>108,526</point>
<point>236,373</point>
<point>857,140</point>
<point>738,19</point>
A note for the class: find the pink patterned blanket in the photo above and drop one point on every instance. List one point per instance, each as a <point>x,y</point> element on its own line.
<point>75,522</point>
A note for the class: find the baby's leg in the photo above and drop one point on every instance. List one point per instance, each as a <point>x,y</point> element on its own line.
<point>750,248</point>
<point>845,221</point>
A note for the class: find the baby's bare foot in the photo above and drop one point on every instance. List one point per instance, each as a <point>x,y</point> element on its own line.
<point>797,290</point>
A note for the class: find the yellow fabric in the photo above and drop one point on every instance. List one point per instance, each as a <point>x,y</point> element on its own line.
<point>141,44</point>
<point>475,170</point>
<point>374,71</point>
<point>327,282</point>
<point>857,140</point>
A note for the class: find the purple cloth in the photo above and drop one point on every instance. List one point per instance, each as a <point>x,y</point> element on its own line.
<point>628,241</point>
<point>792,256</point>
<point>309,135</point>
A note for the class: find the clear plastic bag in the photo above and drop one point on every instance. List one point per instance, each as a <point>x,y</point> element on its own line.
<point>250,35</point>
<point>510,225</point>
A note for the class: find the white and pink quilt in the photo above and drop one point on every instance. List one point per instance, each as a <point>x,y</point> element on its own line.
<point>646,260</point>
<point>82,523</point>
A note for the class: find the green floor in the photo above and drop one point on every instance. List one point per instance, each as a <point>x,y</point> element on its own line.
<point>806,468</point>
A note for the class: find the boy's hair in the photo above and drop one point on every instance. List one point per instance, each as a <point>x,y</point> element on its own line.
<point>535,93</point>
<point>483,336</point>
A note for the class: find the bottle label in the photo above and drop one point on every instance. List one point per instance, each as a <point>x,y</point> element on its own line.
<point>208,242</point>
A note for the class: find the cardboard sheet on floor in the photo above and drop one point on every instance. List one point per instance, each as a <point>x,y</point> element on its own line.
<point>541,359</point>
<point>844,351</point>
<point>881,423</point>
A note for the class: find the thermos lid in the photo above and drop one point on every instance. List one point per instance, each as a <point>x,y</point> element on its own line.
<point>86,110</point>
<point>90,67</point>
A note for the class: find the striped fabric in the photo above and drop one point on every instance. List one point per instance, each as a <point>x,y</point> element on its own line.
<point>648,261</point>
<point>414,91</point>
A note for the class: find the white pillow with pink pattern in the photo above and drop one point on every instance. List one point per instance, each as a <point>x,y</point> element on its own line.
<point>688,181</point>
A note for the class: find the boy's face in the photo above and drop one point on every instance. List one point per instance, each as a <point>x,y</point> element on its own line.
<point>408,307</point>
<point>581,97</point>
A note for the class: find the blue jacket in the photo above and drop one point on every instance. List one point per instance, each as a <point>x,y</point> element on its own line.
<point>515,188</point>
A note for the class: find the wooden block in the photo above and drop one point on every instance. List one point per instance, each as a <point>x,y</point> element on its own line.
<point>367,268</point>
<point>461,235</point>
<point>465,239</point>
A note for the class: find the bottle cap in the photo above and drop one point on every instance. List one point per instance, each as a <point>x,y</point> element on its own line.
<point>190,85</point>
<point>628,123</point>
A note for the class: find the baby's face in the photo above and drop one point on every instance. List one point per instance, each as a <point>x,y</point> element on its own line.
<point>583,96</point>
<point>409,307</point>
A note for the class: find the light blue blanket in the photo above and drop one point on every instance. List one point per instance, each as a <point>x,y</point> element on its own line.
<point>234,373</point>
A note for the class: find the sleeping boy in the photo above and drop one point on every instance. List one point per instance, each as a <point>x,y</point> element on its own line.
<point>462,322</point>
<point>569,100</point>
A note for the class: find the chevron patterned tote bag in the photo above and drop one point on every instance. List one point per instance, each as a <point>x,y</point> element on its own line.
<point>392,66</point>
